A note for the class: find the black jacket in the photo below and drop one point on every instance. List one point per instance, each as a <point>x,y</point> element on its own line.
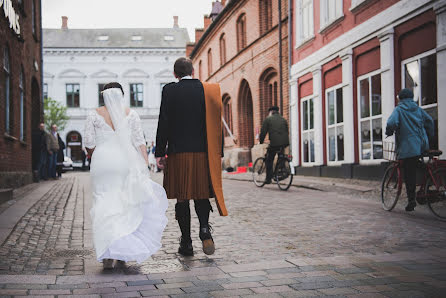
<point>277,128</point>
<point>182,119</point>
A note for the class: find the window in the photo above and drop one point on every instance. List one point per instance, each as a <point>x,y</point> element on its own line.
<point>241,32</point>
<point>331,10</point>
<point>200,71</point>
<point>8,104</point>
<point>33,17</point>
<point>222,49</point>
<point>227,113</point>
<point>100,96</point>
<point>305,26</point>
<point>136,95</point>
<point>265,16</point>
<point>420,75</point>
<point>45,91</point>
<point>73,94</point>
<point>103,37</point>
<point>22,107</point>
<point>307,108</point>
<point>209,62</point>
<point>335,124</point>
<point>136,37</point>
<point>370,117</point>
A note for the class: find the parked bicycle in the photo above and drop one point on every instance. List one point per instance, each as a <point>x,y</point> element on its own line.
<point>432,189</point>
<point>282,174</point>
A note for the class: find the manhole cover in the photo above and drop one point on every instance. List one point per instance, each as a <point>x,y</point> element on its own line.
<point>68,253</point>
<point>157,266</point>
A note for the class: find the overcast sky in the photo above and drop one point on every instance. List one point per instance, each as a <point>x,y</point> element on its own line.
<point>125,14</point>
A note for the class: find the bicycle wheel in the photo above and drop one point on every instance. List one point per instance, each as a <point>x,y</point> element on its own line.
<point>283,175</point>
<point>259,172</point>
<point>391,187</point>
<point>436,194</point>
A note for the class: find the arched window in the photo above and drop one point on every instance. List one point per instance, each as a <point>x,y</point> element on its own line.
<point>22,106</point>
<point>268,91</point>
<point>265,15</point>
<point>241,32</point>
<point>227,113</point>
<point>222,49</point>
<point>8,105</point>
<point>200,71</point>
<point>209,62</point>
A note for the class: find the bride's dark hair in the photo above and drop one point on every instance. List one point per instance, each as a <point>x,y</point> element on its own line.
<point>113,85</point>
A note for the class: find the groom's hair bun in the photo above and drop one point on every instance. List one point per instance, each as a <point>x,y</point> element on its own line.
<point>183,67</point>
<point>113,85</point>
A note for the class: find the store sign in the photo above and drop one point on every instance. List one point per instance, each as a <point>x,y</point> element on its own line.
<point>11,15</point>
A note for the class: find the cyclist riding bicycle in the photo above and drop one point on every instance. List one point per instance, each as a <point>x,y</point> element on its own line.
<point>277,128</point>
<point>413,128</point>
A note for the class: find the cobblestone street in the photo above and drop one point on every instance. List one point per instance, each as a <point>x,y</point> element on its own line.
<point>305,242</point>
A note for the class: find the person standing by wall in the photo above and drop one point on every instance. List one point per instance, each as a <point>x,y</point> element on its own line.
<point>40,152</point>
<point>53,148</point>
<point>60,156</point>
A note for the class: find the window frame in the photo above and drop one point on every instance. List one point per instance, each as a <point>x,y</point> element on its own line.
<point>301,38</point>
<point>209,58</point>
<point>242,42</point>
<point>137,92</point>
<point>325,21</point>
<point>266,22</point>
<point>309,130</point>
<point>222,43</point>
<point>403,82</point>
<point>72,95</point>
<point>335,125</point>
<point>370,118</point>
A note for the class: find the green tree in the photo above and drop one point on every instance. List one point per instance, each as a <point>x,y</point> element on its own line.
<point>55,113</point>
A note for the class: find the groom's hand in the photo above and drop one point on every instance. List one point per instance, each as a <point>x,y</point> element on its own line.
<point>160,162</point>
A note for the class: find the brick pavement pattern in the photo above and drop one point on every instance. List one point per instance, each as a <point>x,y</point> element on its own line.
<point>300,243</point>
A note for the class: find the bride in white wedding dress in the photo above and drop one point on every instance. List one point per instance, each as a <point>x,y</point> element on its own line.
<point>128,212</point>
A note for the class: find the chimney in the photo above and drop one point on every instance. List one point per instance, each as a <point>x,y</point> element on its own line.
<point>189,48</point>
<point>64,23</point>
<point>198,34</point>
<point>175,22</point>
<point>207,21</point>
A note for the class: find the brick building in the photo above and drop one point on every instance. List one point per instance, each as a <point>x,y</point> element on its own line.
<point>20,88</point>
<point>239,48</point>
<point>349,60</point>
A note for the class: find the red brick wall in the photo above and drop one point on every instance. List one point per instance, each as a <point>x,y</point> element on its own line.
<point>15,156</point>
<point>261,53</point>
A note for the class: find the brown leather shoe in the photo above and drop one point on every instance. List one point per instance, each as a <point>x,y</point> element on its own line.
<point>208,242</point>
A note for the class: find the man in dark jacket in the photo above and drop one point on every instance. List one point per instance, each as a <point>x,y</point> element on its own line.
<point>277,128</point>
<point>413,128</point>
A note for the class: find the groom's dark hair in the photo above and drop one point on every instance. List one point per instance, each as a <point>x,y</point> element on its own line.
<point>113,85</point>
<point>183,67</point>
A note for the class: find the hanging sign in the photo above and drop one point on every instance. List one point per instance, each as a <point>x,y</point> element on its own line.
<point>11,15</point>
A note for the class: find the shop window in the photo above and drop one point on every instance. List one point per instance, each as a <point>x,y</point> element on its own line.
<point>265,16</point>
<point>420,75</point>
<point>331,10</point>
<point>241,32</point>
<point>305,24</point>
<point>100,96</point>
<point>22,106</point>
<point>370,117</point>
<point>73,95</point>
<point>8,104</point>
<point>307,116</point>
<point>136,95</point>
<point>335,124</point>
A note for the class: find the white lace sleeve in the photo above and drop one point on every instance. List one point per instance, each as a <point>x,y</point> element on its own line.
<point>89,131</point>
<point>136,129</point>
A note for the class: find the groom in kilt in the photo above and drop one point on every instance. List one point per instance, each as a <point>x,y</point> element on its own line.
<point>190,135</point>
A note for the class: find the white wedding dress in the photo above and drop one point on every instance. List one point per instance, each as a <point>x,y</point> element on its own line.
<point>128,212</point>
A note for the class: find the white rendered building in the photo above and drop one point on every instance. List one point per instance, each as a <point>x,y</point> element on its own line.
<point>78,62</point>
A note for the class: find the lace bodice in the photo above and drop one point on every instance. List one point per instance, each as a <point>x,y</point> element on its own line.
<point>96,129</point>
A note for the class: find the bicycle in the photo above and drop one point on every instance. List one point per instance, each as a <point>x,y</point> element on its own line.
<point>432,189</point>
<point>282,174</point>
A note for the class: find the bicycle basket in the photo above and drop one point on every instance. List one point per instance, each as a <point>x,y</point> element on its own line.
<point>389,151</point>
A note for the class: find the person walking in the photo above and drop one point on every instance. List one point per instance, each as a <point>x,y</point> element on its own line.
<point>277,129</point>
<point>412,127</point>
<point>53,148</point>
<point>60,156</point>
<point>190,133</point>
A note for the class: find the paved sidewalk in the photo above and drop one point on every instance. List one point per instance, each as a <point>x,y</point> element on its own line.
<point>298,243</point>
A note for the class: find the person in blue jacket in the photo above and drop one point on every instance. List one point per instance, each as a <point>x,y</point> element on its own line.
<point>412,127</point>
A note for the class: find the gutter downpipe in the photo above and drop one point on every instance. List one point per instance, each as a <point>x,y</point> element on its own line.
<point>290,54</point>
<point>280,58</point>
